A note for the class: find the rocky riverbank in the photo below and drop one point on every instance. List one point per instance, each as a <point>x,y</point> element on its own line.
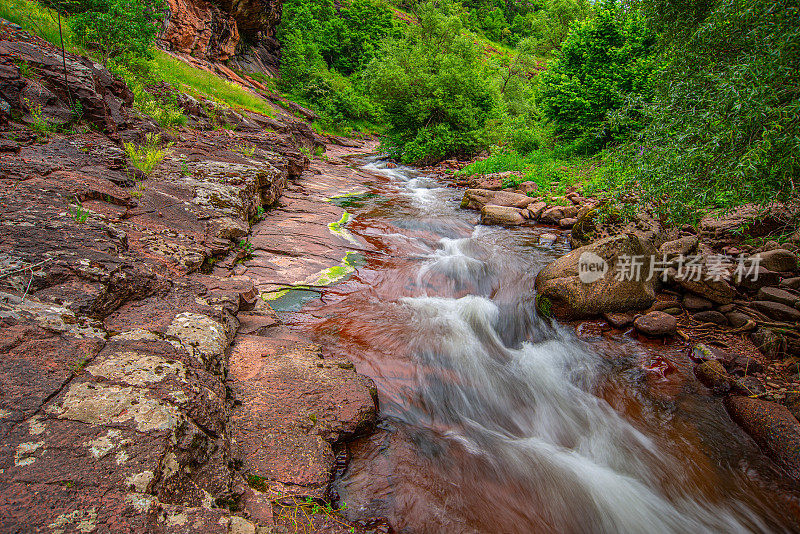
<point>145,384</point>
<point>734,304</point>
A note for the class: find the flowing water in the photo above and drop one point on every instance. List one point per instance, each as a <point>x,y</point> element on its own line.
<point>494,420</point>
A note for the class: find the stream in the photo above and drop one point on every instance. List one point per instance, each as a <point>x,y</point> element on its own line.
<point>494,420</point>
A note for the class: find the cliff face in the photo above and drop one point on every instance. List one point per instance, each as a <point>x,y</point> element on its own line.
<point>239,30</point>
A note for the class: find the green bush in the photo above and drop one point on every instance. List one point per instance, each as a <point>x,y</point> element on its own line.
<point>117,27</point>
<point>604,64</point>
<point>434,91</point>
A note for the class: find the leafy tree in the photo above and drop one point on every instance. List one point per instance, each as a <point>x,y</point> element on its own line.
<point>119,27</point>
<point>434,90</point>
<point>605,62</point>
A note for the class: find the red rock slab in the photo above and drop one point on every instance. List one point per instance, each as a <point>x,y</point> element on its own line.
<point>34,366</point>
<point>773,427</point>
<point>295,404</point>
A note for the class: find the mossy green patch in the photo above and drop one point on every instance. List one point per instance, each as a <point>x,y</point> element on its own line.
<point>294,297</point>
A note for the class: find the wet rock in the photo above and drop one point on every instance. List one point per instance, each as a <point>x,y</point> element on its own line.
<point>547,239</point>
<point>619,320</point>
<point>502,215</point>
<point>656,324</point>
<point>713,375</point>
<point>295,404</point>
<point>779,260</point>
<point>711,316</point>
<point>567,222</point>
<point>772,426</point>
<point>775,310</point>
<point>478,198</point>
<point>601,289</point>
<point>777,295</point>
<point>695,303</point>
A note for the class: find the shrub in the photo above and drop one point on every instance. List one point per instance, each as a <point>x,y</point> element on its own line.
<point>435,93</point>
<point>724,128</point>
<point>147,156</point>
<point>118,27</point>
<point>605,62</point>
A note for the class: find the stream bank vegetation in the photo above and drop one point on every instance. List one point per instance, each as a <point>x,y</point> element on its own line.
<point>674,108</point>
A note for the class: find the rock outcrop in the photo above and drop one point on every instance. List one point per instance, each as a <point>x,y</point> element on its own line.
<point>129,402</point>
<point>219,30</point>
<point>89,93</point>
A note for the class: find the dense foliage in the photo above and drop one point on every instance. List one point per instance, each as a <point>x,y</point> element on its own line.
<point>604,63</point>
<point>725,127</point>
<point>433,88</point>
<point>117,27</point>
<point>324,48</point>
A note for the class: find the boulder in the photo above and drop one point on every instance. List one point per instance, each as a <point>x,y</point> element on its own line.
<point>737,319</point>
<point>760,277</point>
<point>718,291</point>
<point>536,209</point>
<point>677,247</point>
<point>695,303</point>
<point>619,320</point>
<point>478,198</point>
<point>585,282</point>
<point>567,222</point>
<point>656,324</point>
<point>713,375</point>
<point>791,283</point>
<point>780,260</point>
<point>502,215</point>
<point>778,295</point>
<point>772,426</point>
<point>775,310</point>
<point>556,213</point>
<point>711,316</point>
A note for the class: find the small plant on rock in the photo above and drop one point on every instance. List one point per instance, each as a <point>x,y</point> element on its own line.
<point>39,124</point>
<point>147,156</point>
<point>246,150</point>
<point>246,247</point>
<point>78,212</point>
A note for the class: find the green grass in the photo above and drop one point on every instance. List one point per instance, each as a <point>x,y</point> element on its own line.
<point>541,166</point>
<point>39,20</point>
<point>201,83</point>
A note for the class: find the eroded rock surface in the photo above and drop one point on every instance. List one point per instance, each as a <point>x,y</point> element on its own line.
<point>120,409</point>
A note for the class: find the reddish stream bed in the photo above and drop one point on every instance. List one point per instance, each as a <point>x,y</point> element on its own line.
<point>494,420</point>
